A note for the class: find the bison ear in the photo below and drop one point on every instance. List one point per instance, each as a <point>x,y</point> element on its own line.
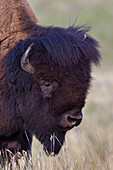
<point>17,79</point>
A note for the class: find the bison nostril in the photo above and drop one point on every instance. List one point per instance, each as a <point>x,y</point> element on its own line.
<point>74,120</point>
<point>71,119</point>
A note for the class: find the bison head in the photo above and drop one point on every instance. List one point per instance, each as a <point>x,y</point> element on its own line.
<point>48,76</point>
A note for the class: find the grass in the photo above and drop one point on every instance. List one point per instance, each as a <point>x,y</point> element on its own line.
<point>89,146</point>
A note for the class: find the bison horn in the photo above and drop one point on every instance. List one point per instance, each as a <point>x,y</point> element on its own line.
<point>25,64</point>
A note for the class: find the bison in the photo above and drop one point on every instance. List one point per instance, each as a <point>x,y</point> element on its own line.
<point>44,86</point>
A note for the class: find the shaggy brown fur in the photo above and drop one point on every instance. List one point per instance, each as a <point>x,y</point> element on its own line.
<point>17,21</point>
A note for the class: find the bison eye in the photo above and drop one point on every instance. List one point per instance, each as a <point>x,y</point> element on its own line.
<point>47,88</point>
<point>47,85</point>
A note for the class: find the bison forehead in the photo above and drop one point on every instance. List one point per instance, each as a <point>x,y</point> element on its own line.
<point>57,46</point>
<point>64,47</point>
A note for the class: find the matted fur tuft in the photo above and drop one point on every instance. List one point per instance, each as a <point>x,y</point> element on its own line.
<point>63,47</point>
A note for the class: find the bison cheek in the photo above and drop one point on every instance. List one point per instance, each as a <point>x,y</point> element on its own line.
<point>36,115</point>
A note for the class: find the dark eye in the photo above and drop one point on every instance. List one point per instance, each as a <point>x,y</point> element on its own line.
<point>47,84</point>
<point>48,87</point>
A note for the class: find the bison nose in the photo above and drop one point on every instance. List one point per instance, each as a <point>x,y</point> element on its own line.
<point>74,120</point>
<point>71,119</point>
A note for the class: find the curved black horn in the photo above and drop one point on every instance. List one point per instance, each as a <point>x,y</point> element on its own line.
<point>25,64</point>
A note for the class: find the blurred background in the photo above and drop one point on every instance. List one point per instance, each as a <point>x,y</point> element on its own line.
<point>89,146</point>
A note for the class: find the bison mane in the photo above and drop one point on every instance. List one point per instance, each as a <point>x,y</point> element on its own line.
<point>63,47</point>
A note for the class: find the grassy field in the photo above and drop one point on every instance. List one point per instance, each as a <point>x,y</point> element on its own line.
<point>89,146</point>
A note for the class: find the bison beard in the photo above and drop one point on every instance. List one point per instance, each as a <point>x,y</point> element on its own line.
<point>52,143</point>
<point>48,77</point>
